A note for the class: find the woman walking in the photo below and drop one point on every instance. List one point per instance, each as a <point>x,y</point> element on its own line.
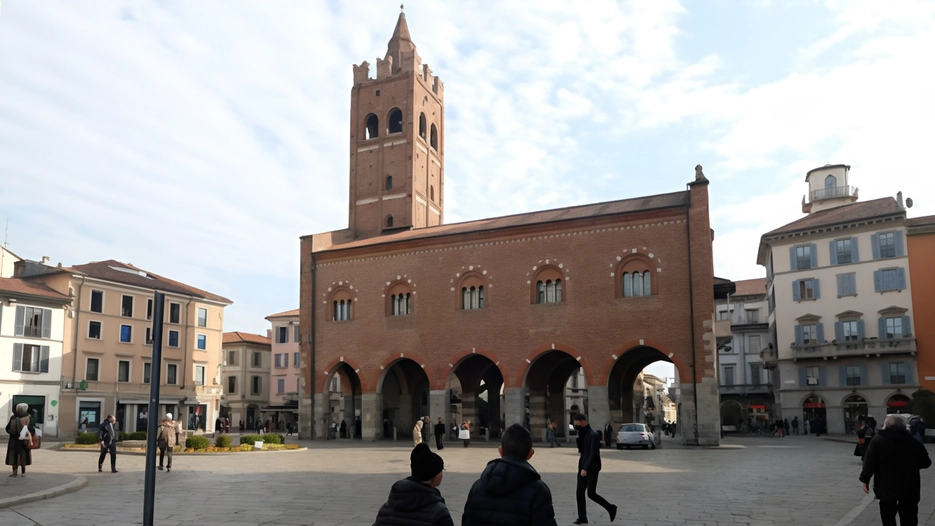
<point>862,440</point>
<point>17,452</point>
<point>417,433</point>
<point>465,433</point>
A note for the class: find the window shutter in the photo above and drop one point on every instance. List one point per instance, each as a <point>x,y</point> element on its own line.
<point>17,356</point>
<point>833,248</point>
<point>46,323</point>
<point>881,323</point>
<point>855,253</point>
<point>44,360</point>
<point>20,320</point>
<point>839,332</point>
<point>822,378</point>
<point>901,278</point>
<point>885,370</point>
<point>842,375</point>
<point>860,330</point>
<point>792,258</point>
<point>803,381</point>
<point>898,240</point>
<point>821,333</point>
<point>910,374</point>
<point>907,329</point>
<point>841,290</point>
<point>813,253</point>
<point>875,245</point>
<point>796,296</point>
<point>799,338</point>
<point>863,375</point>
<point>877,280</point>
<point>816,287</point>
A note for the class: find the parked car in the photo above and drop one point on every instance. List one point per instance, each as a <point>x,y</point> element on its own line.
<point>635,435</point>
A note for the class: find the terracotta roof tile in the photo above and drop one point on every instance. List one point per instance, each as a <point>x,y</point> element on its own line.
<point>921,221</point>
<point>884,206</point>
<point>287,314</point>
<point>244,337</point>
<point>653,202</point>
<point>29,288</point>
<point>131,275</point>
<point>750,287</point>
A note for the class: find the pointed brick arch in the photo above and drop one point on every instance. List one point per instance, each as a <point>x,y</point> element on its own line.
<point>442,382</point>
<point>532,356</point>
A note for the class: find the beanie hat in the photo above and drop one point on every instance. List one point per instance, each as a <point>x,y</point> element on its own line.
<point>424,463</point>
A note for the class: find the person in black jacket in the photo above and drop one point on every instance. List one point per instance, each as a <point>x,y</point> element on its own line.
<point>510,492</point>
<point>415,500</point>
<point>440,434</point>
<point>107,441</point>
<point>893,460</point>
<point>589,467</point>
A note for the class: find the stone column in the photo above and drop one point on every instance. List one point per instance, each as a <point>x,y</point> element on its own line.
<point>514,401</point>
<point>349,414</point>
<point>306,429</point>
<point>537,416</point>
<point>371,416</point>
<point>438,408</point>
<point>708,412</point>
<point>598,407</point>
<point>322,411</point>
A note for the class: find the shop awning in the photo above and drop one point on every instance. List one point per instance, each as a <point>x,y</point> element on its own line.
<point>162,401</point>
<point>897,403</point>
<point>293,408</point>
<point>757,406</point>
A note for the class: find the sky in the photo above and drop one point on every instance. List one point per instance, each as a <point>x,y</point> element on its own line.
<point>199,140</point>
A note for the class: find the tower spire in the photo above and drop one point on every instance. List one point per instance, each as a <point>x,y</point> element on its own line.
<point>401,41</point>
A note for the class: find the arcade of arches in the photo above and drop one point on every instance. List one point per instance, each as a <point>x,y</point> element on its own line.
<point>476,392</point>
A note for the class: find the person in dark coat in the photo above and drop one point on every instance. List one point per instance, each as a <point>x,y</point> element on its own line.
<point>415,500</point>
<point>18,453</point>
<point>893,461</point>
<point>510,491</point>
<point>862,440</point>
<point>917,429</point>
<point>107,441</point>
<point>589,467</point>
<point>440,434</point>
<point>608,434</point>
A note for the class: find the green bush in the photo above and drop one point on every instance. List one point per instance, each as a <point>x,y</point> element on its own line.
<point>272,438</point>
<point>197,442</point>
<point>121,436</point>
<point>86,438</point>
<point>250,439</point>
<point>137,435</point>
<point>923,404</point>
<point>222,441</point>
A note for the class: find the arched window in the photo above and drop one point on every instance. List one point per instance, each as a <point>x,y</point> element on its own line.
<point>433,139</point>
<point>400,300</point>
<point>396,120</point>
<point>422,125</point>
<point>341,305</point>
<point>389,182</point>
<point>472,297</point>
<point>635,275</point>
<point>389,222</point>
<point>549,283</point>
<point>373,127</point>
<point>831,182</point>
<point>432,193</point>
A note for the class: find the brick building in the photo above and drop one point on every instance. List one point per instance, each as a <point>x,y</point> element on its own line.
<point>406,310</point>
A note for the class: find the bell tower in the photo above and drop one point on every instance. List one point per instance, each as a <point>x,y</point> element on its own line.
<point>397,169</point>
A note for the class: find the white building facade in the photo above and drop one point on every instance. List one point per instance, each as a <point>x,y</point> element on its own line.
<point>840,305</point>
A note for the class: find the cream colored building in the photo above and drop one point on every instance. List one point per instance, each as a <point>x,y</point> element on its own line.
<point>7,262</point>
<point>285,370</point>
<point>245,377</point>
<point>840,305</point>
<point>106,363</point>
<point>32,331</point>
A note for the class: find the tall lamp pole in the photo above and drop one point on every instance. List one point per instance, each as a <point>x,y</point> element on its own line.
<point>149,486</point>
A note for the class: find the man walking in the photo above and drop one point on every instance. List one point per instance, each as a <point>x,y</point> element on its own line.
<point>589,467</point>
<point>893,460</point>
<point>795,425</point>
<point>510,492</point>
<point>107,441</point>
<point>439,434</point>
<point>166,438</point>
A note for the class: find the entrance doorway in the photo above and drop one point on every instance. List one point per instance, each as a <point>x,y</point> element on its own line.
<point>855,407</point>
<point>813,410</point>
<point>405,393</point>
<point>897,404</point>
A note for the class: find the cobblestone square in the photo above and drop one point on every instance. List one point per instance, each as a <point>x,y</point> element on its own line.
<point>754,481</point>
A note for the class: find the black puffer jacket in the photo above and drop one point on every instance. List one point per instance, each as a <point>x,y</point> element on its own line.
<point>894,459</point>
<point>412,503</point>
<point>509,493</point>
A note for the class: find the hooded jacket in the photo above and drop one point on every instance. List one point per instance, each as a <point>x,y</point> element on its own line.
<point>893,460</point>
<point>510,493</point>
<point>412,503</point>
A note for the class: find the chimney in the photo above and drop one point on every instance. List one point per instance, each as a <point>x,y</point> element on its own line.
<point>45,260</point>
<point>269,333</point>
<point>899,199</point>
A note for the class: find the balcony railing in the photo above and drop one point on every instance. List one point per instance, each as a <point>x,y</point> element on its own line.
<point>746,389</point>
<point>831,193</point>
<point>861,348</point>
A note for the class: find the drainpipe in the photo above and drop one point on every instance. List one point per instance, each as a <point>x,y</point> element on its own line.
<point>311,354</point>
<point>74,346</point>
<point>691,305</point>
